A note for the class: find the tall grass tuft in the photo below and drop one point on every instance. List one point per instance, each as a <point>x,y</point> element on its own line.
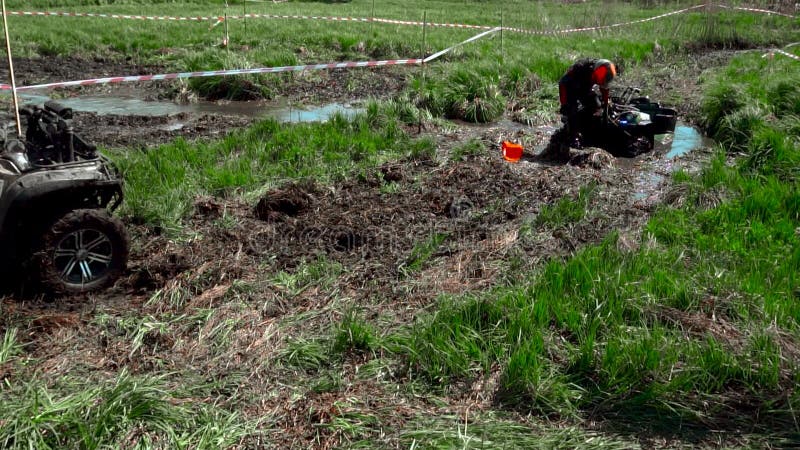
<point>720,101</point>
<point>235,87</point>
<point>474,97</point>
<point>354,334</point>
<point>9,345</point>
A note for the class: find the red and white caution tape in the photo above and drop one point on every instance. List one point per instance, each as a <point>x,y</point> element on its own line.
<point>473,38</point>
<point>771,54</point>
<point>219,19</point>
<point>756,10</point>
<point>602,27</point>
<point>216,73</point>
<point>110,16</point>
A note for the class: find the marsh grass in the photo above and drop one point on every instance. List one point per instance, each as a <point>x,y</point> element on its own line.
<point>127,410</point>
<point>508,73</point>
<point>697,327</point>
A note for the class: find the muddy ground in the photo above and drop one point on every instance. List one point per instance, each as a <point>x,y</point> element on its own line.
<point>479,211</point>
<point>138,130</point>
<point>672,81</point>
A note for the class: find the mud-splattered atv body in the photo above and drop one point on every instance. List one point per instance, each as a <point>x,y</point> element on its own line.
<point>55,195</point>
<point>629,126</point>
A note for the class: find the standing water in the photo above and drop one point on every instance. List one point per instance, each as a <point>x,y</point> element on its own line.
<point>684,140</point>
<point>132,106</point>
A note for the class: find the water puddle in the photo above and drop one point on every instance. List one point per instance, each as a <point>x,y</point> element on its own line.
<point>683,141</point>
<point>132,106</point>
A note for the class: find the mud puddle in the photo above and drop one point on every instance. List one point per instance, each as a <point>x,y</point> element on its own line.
<point>128,120</point>
<point>131,105</point>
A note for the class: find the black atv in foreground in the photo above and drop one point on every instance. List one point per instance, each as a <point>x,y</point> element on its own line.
<point>626,129</point>
<point>56,194</point>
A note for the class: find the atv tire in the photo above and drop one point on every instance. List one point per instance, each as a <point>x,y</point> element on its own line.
<point>85,250</point>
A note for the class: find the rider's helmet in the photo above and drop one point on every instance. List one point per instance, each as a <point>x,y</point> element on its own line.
<point>604,72</point>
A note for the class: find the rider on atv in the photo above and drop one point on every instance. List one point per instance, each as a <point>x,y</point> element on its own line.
<point>579,99</point>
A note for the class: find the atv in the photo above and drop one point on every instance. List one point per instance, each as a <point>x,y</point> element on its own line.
<point>626,128</point>
<point>56,197</point>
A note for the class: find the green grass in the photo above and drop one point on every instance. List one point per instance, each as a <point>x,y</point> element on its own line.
<point>695,329</point>
<point>320,273</point>
<point>688,326</point>
<point>566,211</point>
<point>354,334</point>
<point>479,430</point>
<point>162,183</point>
<point>473,147</point>
<point>421,253</point>
<point>9,346</point>
<point>126,411</point>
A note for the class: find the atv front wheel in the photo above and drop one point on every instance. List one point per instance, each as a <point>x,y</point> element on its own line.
<point>85,250</point>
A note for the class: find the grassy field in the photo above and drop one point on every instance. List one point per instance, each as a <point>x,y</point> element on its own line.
<point>688,336</point>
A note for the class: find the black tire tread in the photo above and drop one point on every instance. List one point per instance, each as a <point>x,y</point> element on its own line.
<point>50,278</point>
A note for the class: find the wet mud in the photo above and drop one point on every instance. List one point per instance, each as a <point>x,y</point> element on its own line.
<point>161,111</point>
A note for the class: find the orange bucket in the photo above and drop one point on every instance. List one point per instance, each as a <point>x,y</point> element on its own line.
<point>511,152</point>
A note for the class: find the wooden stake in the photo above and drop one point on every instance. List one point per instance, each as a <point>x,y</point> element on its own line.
<point>225,39</point>
<point>11,72</point>
<point>502,48</point>
<point>424,47</point>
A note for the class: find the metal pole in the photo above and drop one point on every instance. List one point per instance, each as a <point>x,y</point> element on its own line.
<point>11,72</point>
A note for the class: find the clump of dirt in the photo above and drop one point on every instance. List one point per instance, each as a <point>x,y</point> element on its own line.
<point>291,200</point>
<point>208,207</point>
<point>392,172</point>
<point>592,157</point>
<point>118,131</point>
<point>155,271</point>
